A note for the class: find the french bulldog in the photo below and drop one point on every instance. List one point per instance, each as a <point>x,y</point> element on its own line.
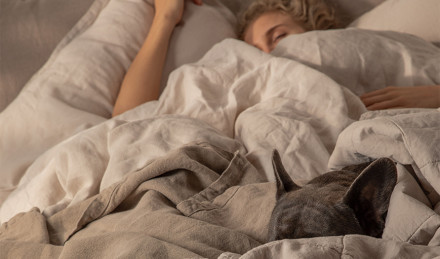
<point>353,200</point>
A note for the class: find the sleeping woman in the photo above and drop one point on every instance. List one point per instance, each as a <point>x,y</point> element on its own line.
<point>263,25</point>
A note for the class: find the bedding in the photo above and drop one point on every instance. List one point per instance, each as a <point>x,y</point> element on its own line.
<point>190,175</point>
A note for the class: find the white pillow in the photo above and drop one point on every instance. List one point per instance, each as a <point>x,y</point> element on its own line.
<point>417,17</point>
<point>77,87</point>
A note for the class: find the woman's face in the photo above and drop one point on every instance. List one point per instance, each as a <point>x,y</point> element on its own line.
<point>268,29</point>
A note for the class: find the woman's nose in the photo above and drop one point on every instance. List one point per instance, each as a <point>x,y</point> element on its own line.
<point>266,48</point>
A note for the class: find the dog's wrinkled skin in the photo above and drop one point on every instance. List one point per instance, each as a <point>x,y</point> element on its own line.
<point>353,200</point>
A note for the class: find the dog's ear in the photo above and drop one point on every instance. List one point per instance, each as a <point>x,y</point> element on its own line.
<point>358,168</point>
<point>283,180</point>
<point>369,195</point>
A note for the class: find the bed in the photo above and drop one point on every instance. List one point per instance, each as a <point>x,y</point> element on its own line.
<point>190,175</point>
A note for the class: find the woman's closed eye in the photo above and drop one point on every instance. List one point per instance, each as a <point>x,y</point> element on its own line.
<point>278,37</point>
<point>278,34</point>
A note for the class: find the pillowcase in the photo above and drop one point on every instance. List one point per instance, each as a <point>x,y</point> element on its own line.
<point>417,17</point>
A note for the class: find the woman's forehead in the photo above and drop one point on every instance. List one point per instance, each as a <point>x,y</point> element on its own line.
<point>263,23</point>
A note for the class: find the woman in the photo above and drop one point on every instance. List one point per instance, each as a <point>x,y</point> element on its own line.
<point>263,25</point>
<point>266,22</point>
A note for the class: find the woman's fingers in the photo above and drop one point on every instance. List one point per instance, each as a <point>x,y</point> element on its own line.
<point>368,101</point>
<point>376,92</point>
<point>385,98</point>
<point>384,91</point>
<point>388,104</point>
<point>198,2</point>
<point>378,96</point>
<point>405,97</point>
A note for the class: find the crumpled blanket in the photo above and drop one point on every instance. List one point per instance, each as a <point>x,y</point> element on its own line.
<point>197,201</point>
<point>410,137</point>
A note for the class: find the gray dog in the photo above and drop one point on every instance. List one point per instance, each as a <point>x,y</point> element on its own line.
<point>353,200</point>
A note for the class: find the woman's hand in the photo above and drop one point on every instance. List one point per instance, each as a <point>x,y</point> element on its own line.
<point>171,10</point>
<point>403,97</point>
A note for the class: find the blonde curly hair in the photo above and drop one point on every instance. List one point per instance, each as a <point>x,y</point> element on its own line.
<point>311,14</point>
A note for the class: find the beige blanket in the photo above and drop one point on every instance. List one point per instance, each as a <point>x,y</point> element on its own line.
<point>197,201</point>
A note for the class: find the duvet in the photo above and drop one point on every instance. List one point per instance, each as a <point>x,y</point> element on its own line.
<point>190,175</point>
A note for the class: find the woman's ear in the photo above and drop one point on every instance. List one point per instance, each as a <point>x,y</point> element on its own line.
<point>369,195</point>
<point>283,180</point>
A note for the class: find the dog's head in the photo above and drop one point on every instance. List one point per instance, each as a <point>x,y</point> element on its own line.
<point>336,203</point>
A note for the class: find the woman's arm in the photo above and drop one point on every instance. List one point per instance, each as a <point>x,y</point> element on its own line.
<point>403,97</point>
<point>142,80</point>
